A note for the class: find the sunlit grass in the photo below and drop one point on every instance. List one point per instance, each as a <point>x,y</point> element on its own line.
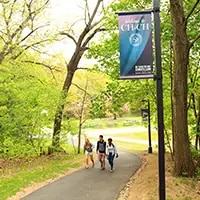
<point>138,135</point>
<point>133,147</point>
<point>109,122</point>
<point>35,171</point>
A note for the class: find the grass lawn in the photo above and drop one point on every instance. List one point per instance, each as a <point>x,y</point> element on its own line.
<point>139,135</point>
<point>133,147</point>
<point>28,172</point>
<point>109,122</point>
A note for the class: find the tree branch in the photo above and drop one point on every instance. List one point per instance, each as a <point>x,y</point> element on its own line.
<point>43,64</point>
<point>91,36</point>
<point>80,88</point>
<point>193,41</point>
<point>84,68</point>
<point>69,36</point>
<point>34,77</point>
<point>25,47</point>
<point>87,12</point>
<point>192,10</point>
<point>88,26</point>
<point>94,13</point>
<point>31,32</point>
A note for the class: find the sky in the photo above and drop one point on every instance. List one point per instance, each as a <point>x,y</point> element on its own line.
<point>66,12</point>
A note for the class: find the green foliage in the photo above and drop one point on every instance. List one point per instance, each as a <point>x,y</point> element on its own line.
<point>107,54</point>
<point>119,97</point>
<point>25,107</point>
<point>70,126</point>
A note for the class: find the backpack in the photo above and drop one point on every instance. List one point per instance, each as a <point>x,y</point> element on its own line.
<point>90,148</point>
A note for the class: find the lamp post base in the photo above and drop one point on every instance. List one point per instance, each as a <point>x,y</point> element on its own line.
<point>150,150</point>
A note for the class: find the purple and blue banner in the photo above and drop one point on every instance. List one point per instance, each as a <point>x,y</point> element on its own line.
<point>136,55</point>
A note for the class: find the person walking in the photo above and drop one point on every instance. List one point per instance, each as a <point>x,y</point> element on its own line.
<point>101,151</point>
<point>88,150</point>
<point>111,152</point>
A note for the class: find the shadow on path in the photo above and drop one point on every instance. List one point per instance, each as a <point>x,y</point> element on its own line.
<point>92,183</point>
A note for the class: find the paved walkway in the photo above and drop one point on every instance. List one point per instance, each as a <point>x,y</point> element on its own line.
<point>92,183</point>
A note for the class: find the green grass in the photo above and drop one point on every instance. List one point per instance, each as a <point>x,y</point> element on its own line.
<point>133,147</point>
<point>35,171</point>
<point>109,122</point>
<point>139,135</point>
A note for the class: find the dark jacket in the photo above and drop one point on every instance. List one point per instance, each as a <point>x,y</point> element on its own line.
<point>101,146</point>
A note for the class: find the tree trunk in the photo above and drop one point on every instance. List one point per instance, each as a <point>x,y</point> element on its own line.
<point>81,121</point>
<point>183,158</point>
<point>87,34</point>
<point>171,93</point>
<point>79,138</point>
<point>59,111</point>
<point>198,124</point>
<point>196,117</point>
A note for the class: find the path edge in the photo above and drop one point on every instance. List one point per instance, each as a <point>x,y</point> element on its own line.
<point>125,191</point>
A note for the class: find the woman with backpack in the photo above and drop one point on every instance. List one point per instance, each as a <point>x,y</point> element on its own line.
<point>88,150</point>
<point>111,152</point>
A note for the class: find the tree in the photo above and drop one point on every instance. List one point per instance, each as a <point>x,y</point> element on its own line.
<point>26,109</point>
<point>106,52</point>
<point>92,27</point>
<point>25,89</point>
<point>181,47</point>
<point>20,27</point>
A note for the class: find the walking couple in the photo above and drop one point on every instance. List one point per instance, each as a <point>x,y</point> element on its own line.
<point>108,151</point>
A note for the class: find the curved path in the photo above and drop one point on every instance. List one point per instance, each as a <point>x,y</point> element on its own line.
<point>92,183</point>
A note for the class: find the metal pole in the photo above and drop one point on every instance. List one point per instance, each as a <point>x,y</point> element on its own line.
<point>149,127</point>
<point>161,148</point>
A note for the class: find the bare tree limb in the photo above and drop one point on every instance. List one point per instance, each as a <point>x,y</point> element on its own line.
<point>96,23</point>
<point>80,88</point>
<point>91,36</point>
<point>25,47</point>
<point>87,12</point>
<point>69,36</point>
<point>2,37</point>
<point>193,41</point>
<point>51,68</point>
<point>88,26</point>
<point>83,68</point>
<point>192,10</point>
<point>94,12</point>
<point>34,77</point>
<point>43,64</point>
<point>31,32</point>
<point>28,18</point>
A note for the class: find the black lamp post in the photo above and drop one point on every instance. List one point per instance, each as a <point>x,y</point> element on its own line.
<point>149,125</point>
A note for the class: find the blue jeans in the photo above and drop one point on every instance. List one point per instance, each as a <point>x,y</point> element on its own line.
<point>111,160</point>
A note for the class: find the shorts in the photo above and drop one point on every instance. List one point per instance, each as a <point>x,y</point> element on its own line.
<point>88,153</point>
<point>102,156</point>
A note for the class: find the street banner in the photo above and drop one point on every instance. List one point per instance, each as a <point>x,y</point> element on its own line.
<point>136,55</point>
